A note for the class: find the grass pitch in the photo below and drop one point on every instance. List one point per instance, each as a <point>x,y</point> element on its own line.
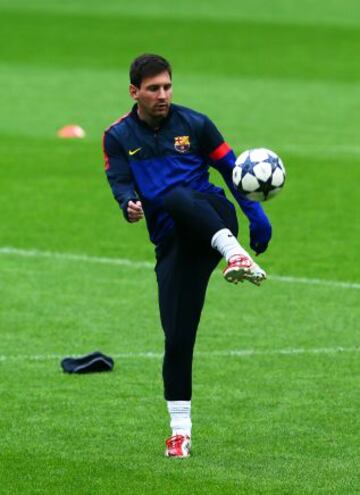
<point>276,372</point>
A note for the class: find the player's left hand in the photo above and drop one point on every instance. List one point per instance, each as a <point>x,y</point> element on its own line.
<point>260,234</point>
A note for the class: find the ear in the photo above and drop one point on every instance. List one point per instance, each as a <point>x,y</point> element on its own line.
<point>133,91</point>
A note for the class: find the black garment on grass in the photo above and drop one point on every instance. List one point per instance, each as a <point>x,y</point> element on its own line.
<point>90,363</point>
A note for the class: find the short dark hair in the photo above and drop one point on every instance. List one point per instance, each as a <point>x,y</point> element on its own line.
<point>147,65</point>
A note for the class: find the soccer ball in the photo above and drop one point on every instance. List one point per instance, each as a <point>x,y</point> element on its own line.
<point>259,174</point>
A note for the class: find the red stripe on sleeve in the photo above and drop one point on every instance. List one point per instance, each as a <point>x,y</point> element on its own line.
<point>219,152</point>
<point>107,163</point>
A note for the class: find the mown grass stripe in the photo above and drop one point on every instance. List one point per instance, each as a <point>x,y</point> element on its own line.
<point>34,253</point>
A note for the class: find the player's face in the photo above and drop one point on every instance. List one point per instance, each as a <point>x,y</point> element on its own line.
<point>153,97</point>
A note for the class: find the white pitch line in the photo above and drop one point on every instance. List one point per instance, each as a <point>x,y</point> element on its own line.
<point>237,353</point>
<point>34,253</point>
<point>314,281</point>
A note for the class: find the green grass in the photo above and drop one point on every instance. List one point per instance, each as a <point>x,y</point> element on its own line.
<point>278,422</point>
<point>63,40</point>
<point>282,75</point>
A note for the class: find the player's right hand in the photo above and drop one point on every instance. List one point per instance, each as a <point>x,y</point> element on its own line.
<point>134,211</point>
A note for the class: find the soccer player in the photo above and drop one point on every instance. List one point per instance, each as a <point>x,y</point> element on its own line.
<point>157,159</point>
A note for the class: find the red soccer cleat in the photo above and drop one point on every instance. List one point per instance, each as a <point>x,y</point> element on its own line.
<point>178,446</point>
<point>241,267</point>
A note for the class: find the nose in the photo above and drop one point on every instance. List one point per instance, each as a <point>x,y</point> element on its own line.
<point>162,93</point>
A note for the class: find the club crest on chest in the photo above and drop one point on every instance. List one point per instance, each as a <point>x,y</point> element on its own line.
<point>182,143</point>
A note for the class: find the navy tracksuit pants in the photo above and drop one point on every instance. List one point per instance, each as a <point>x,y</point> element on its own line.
<point>185,261</point>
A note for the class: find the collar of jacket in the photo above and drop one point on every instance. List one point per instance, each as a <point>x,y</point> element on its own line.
<point>135,116</point>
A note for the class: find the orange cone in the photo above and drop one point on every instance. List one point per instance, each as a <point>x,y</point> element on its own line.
<point>71,131</point>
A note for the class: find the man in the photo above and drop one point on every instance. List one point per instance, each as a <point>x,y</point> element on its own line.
<point>157,159</point>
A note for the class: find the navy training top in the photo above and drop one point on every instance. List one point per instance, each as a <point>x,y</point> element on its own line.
<point>144,163</point>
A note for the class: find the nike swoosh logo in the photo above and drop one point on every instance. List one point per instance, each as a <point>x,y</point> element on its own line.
<point>132,152</point>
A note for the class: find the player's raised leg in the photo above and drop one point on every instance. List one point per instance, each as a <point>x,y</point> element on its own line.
<point>212,219</point>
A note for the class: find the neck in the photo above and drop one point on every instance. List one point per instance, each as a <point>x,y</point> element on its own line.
<point>153,122</point>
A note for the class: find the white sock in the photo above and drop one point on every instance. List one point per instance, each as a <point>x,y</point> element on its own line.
<point>226,243</point>
<point>180,416</point>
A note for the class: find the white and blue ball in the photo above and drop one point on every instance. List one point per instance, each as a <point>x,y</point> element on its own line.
<point>259,174</point>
